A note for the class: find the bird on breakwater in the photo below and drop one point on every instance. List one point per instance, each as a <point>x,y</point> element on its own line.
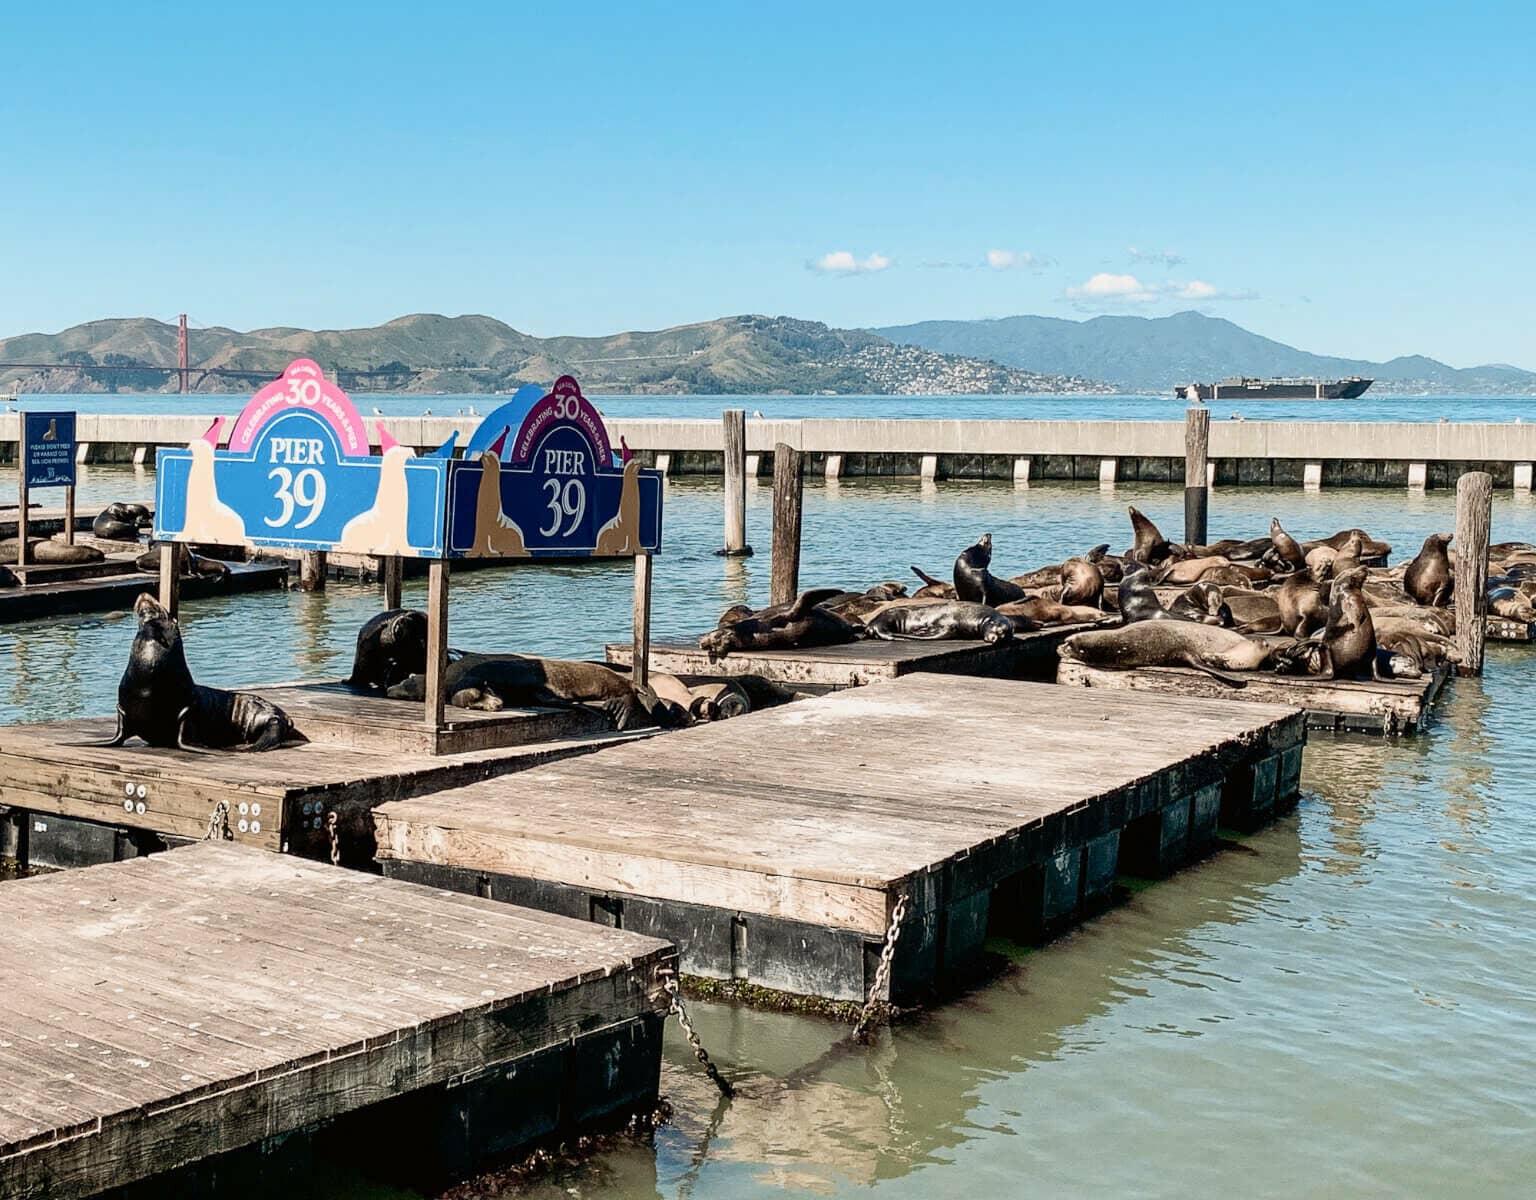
<point>472,411</point>
<point>757,412</point>
<point>426,412</point>
<point>377,411</point>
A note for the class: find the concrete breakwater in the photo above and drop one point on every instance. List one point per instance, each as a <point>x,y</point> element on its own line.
<point>1242,453</point>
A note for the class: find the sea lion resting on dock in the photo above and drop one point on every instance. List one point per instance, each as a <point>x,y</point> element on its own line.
<point>802,624</point>
<point>391,647</point>
<point>1204,603</point>
<point>159,702</point>
<point>188,562</point>
<point>46,552</point>
<point>491,682</point>
<point>1041,610</point>
<point>120,522</point>
<point>1168,644</point>
<point>941,621</point>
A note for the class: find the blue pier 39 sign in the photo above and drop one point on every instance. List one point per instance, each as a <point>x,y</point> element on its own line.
<point>298,472</point>
<point>48,439</point>
<point>540,479</point>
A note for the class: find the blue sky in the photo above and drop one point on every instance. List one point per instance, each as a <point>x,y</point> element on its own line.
<point>1354,179</point>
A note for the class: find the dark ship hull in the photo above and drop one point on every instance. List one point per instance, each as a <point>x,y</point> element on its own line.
<point>1276,389</point>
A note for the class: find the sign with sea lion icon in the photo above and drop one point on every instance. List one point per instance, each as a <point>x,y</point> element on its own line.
<point>541,479</point>
<point>49,455</point>
<point>299,472</point>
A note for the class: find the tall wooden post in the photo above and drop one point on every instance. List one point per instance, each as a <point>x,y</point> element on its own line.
<point>735,423</point>
<point>437,641</point>
<point>1197,441</point>
<point>312,570</point>
<point>69,515</point>
<point>393,571</point>
<point>170,577</point>
<point>21,512</point>
<point>1474,520</point>
<point>788,495</point>
<point>640,671</point>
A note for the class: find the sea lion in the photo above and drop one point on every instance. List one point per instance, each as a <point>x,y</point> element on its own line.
<point>1041,610</point>
<point>1506,602</point>
<point>1439,621</point>
<point>1167,644</point>
<point>1082,583</point>
<point>120,522</point>
<point>1040,577</point>
<point>159,702</point>
<point>1204,603</point>
<point>1369,546</point>
<point>1286,548</point>
<point>1303,602</point>
<point>46,552</point>
<point>975,584</point>
<point>801,624</point>
<point>1110,566</point>
<point>1428,579</point>
<point>1150,546</point>
<point>1350,635</point>
<point>1252,612</point>
<point>1137,599</point>
<point>736,612</point>
<point>494,681</point>
<point>718,701</point>
<point>944,620</point>
<point>390,647</point>
<point>1431,651</point>
<point>932,589</point>
<point>1190,570</point>
<point>188,563</point>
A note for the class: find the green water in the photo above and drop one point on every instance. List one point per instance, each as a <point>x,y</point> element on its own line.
<point>1342,1005</point>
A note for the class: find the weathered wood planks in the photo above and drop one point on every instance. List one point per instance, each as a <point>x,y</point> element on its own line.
<point>858,663</point>
<point>191,1003</point>
<point>1390,706</point>
<point>773,847</point>
<point>110,592</point>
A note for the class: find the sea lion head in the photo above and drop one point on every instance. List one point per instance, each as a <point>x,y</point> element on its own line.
<point>156,625</point>
<point>996,628</point>
<point>890,590</point>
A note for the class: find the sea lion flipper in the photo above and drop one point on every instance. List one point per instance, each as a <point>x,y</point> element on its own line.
<point>927,578</point>
<point>181,733</point>
<point>1226,677</point>
<point>809,600</point>
<point>117,739</point>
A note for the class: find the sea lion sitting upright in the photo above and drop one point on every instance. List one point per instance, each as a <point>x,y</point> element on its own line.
<point>1286,548</point>
<point>975,584</point>
<point>1428,579</point>
<point>802,624</point>
<point>159,702</point>
<point>1303,601</point>
<point>390,647</point>
<point>1082,583</point>
<point>1350,635</point>
<point>1137,599</point>
<point>945,620</point>
<point>1150,547</point>
<point>119,522</point>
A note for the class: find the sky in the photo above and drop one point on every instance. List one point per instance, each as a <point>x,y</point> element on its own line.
<point>1355,179</point>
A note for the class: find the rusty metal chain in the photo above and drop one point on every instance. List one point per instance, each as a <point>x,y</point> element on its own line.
<point>882,971</point>
<point>218,823</point>
<point>675,1008</point>
<point>330,832</point>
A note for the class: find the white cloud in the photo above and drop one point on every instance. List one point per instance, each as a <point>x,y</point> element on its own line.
<point>843,262</point>
<point>1109,290</point>
<point>1003,260</point>
<point>1167,258</point>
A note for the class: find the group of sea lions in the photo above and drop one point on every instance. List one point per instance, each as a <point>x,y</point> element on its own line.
<point>1323,608</point>
<point>391,658</point>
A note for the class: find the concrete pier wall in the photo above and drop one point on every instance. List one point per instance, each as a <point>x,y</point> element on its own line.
<point>1256,453</point>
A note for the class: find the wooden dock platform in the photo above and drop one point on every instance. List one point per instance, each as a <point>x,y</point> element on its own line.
<point>1505,629</point>
<point>74,804</point>
<point>1025,656</point>
<point>773,848</point>
<point>1386,706</point>
<point>164,1011</point>
<point>106,593</point>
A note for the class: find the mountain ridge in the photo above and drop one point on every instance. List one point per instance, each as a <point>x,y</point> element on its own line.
<point>1154,354</point>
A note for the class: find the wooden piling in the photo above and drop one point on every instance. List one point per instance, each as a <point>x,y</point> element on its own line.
<point>69,515</point>
<point>392,571</point>
<point>1197,440</point>
<point>1474,518</point>
<point>788,495</point>
<point>21,512</point>
<point>170,577</point>
<point>437,641</point>
<point>312,570</point>
<point>641,669</point>
<point>735,422</point>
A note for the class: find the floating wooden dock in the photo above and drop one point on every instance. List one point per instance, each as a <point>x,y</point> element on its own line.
<point>1387,706</point>
<point>164,1011</point>
<point>773,848</point>
<point>46,594</point>
<point>1505,629</point>
<point>116,801</point>
<point>1025,656</point>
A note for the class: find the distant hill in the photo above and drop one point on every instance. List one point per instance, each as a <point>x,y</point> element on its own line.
<point>1152,354</point>
<point>430,353</point>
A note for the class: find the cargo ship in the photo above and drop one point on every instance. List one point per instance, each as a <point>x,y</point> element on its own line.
<point>1241,387</point>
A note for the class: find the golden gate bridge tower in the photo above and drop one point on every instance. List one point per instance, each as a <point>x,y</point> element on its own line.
<point>181,352</point>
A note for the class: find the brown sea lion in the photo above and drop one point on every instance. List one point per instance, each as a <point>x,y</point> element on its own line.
<point>1286,548</point>
<point>932,589</point>
<point>1511,605</point>
<point>1150,546</point>
<point>801,624</point>
<point>1203,602</point>
<point>1252,612</point>
<point>1303,602</point>
<point>188,562</point>
<point>1082,583</point>
<point>46,552</point>
<point>1109,565</point>
<point>719,700</point>
<point>1206,648</point>
<point>1040,610</point>
<point>942,621</point>
<point>494,681</point>
<point>1040,577</point>
<point>1431,651</point>
<point>1429,579</point>
<point>1191,570</point>
<point>1350,635</point>
<point>975,583</point>
<point>1369,546</point>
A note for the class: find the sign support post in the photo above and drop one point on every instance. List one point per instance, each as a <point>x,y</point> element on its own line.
<point>393,569</point>
<point>69,515</point>
<point>170,577</point>
<point>21,519</point>
<point>640,669</point>
<point>437,640</point>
